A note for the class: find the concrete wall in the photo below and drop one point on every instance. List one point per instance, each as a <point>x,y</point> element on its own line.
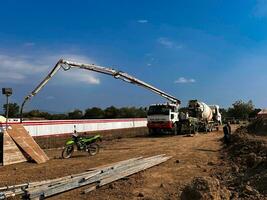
<point>39,128</point>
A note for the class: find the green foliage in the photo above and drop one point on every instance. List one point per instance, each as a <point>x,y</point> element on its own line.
<point>94,113</point>
<point>112,112</point>
<point>13,109</point>
<point>254,113</point>
<point>76,114</point>
<point>241,110</point>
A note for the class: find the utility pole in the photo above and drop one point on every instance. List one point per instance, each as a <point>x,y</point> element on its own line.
<point>7,92</point>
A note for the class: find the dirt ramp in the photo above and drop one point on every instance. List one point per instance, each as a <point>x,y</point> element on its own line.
<point>23,139</point>
<point>205,188</point>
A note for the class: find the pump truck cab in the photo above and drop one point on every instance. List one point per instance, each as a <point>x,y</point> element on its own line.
<point>163,118</point>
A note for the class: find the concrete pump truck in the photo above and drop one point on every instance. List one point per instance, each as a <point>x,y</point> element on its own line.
<point>160,117</point>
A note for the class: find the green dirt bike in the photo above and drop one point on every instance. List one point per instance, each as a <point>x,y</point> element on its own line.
<point>88,144</point>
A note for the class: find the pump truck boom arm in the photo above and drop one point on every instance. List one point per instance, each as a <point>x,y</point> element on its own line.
<point>66,65</point>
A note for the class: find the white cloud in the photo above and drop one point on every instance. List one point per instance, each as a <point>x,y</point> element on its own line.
<point>168,43</point>
<point>185,80</point>
<point>17,69</point>
<point>142,21</point>
<point>148,64</point>
<point>260,9</point>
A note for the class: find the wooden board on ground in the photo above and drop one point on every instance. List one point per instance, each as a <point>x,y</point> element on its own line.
<point>23,139</point>
<point>11,152</point>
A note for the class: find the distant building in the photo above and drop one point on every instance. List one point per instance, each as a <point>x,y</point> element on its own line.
<point>262,113</point>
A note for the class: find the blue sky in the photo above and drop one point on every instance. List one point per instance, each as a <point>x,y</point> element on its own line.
<point>212,50</point>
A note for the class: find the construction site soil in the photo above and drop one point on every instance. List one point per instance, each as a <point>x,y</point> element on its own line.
<point>245,174</point>
<point>201,167</point>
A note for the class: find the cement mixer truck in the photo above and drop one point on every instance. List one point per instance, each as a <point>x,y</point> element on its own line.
<point>200,117</point>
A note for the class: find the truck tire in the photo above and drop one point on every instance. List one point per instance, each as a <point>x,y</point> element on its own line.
<point>206,128</point>
<point>175,129</point>
<point>151,131</point>
<point>193,129</point>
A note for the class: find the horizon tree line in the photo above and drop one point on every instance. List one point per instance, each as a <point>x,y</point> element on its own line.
<point>238,110</point>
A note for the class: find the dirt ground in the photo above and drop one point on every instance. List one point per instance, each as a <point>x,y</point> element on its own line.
<point>192,156</point>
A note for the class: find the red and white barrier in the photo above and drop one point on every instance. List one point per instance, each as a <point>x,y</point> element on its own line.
<point>38,128</point>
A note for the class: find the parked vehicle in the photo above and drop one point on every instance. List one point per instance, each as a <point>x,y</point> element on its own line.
<point>163,118</point>
<point>88,144</point>
<point>201,117</point>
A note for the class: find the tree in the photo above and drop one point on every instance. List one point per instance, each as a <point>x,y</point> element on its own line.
<point>94,113</point>
<point>13,109</point>
<point>58,116</point>
<point>241,110</point>
<point>254,113</point>
<point>111,112</point>
<point>76,114</point>
<point>224,112</point>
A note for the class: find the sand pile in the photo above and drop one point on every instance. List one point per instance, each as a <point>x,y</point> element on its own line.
<point>205,188</point>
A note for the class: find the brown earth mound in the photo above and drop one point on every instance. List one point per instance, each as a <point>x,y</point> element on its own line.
<point>246,177</point>
<point>205,188</point>
<point>258,126</point>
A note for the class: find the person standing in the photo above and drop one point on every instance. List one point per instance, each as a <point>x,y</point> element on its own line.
<point>227,133</point>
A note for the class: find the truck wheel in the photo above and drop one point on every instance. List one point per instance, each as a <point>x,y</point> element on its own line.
<point>175,129</point>
<point>206,129</point>
<point>193,129</point>
<point>151,132</point>
<point>211,128</point>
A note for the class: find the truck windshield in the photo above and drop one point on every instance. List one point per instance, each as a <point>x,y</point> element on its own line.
<point>156,110</point>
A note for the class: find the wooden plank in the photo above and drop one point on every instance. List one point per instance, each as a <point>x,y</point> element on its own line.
<point>102,175</point>
<point>84,175</point>
<point>132,170</point>
<point>78,182</point>
<point>125,173</point>
<point>12,190</point>
<point>103,167</point>
<point>23,139</point>
<point>11,152</point>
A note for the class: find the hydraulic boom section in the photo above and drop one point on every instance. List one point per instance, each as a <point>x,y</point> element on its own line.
<point>66,65</point>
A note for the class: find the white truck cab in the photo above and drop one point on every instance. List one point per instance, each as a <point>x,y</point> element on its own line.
<point>162,117</point>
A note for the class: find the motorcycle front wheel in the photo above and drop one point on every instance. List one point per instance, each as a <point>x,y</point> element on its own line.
<point>93,149</point>
<point>67,151</point>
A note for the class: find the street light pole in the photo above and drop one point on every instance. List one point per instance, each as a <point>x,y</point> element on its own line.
<point>7,92</point>
<point>7,110</point>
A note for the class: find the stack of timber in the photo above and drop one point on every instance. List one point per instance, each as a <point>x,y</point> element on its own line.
<point>19,146</point>
<point>94,178</point>
<point>11,152</point>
